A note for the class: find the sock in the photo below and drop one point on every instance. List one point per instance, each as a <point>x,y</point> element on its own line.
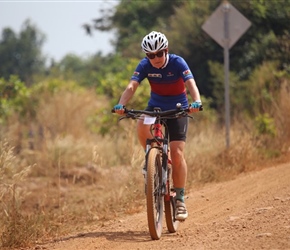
<point>179,194</point>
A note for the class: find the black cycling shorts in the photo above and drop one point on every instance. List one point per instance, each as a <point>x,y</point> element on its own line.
<point>177,128</point>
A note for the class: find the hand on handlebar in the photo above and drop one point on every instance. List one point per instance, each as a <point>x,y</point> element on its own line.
<point>119,109</point>
<point>195,106</point>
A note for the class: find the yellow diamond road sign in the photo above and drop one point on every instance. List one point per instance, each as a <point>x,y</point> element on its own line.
<point>215,25</point>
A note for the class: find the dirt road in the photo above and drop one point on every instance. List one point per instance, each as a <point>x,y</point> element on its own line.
<point>250,212</point>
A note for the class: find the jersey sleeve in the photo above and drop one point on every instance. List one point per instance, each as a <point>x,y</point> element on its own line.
<point>184,70</point>
<point>139,74</point>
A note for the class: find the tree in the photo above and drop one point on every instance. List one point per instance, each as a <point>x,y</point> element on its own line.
<point>21,54</point>
<point>181,21</point>
<point>15,97</point>
<point>132,20</point>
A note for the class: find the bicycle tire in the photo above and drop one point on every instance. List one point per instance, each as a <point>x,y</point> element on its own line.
<point>169,203</point>
<point>154,198</point>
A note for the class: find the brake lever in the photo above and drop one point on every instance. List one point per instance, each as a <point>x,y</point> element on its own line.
<point>129,115</point>
<point>123,117</point>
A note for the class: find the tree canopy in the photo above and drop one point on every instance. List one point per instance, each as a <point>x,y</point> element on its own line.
<point>265,46</point>
<point>20,54</point>
<point>267,39</point>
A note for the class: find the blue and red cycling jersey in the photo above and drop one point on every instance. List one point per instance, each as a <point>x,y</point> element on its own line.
<point>167,83</point>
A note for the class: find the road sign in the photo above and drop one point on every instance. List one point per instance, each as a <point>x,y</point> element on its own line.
<point>225,26</point>
<point>214,26</point>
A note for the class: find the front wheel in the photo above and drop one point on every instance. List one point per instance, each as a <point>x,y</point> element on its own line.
<point>154,196</point>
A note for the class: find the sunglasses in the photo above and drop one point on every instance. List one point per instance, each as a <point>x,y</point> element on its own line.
<point>158,54</point>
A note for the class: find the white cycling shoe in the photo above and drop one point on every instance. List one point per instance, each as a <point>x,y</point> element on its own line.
<point>181,212</point>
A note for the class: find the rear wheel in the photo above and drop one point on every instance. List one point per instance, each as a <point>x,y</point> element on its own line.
<point>154,197</point>
<point>171,223</point>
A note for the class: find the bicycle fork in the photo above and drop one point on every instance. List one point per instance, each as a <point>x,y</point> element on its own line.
<point>165,161</point>
<point>162,145</point>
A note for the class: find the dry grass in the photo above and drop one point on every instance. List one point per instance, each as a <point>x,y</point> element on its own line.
<point>80,179</point>
<point>11,197</point>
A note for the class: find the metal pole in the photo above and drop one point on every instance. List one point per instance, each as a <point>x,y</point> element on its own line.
<point>226,72</point>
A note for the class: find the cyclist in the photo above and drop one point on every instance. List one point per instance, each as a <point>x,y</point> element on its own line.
<point>169,77</point>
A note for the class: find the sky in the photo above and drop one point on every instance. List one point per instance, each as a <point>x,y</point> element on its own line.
<point>61,22</point>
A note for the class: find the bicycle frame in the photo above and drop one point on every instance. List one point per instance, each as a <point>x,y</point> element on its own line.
<point>160,141</point>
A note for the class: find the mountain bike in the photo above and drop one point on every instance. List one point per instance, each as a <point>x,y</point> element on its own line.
<point>159,188</point>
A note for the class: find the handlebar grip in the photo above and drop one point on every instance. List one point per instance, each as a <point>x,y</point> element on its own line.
<point>200,108</point>
<point>114,111</point>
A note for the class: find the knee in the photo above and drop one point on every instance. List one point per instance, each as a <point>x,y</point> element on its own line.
<point>140,124</point>
<point>176,154</point>
<point>142,129</point>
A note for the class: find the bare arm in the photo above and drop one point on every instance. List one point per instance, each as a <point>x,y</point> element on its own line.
<point>128,92</point>
<point>193,90</point>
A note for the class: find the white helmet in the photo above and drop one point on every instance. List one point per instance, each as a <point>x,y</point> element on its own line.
<point>153,42</point>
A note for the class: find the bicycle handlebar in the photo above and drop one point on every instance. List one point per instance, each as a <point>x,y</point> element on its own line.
<point>173,113</point>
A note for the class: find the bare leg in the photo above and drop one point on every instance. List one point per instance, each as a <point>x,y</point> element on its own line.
<point>179,173</point>
<point>143,132</point>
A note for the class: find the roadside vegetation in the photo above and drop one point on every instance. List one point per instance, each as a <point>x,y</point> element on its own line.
<point>68,165</point>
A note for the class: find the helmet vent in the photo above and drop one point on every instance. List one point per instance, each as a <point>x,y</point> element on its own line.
<point>154,42</point>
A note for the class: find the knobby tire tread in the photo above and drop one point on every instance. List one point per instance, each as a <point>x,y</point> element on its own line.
<point>154,168</point>
<point>169,209</point>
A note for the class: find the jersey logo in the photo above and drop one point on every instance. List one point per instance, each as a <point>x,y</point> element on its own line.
<point>136,73</point>
<point>170,74</point>
<point>186,72</point>
<point>154,75</point>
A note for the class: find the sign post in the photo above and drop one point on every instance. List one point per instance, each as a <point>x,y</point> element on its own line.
<point>226,25</point>
<point>226,72</point>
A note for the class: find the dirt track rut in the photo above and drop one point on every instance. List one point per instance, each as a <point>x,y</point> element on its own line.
<point>249,212</point>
